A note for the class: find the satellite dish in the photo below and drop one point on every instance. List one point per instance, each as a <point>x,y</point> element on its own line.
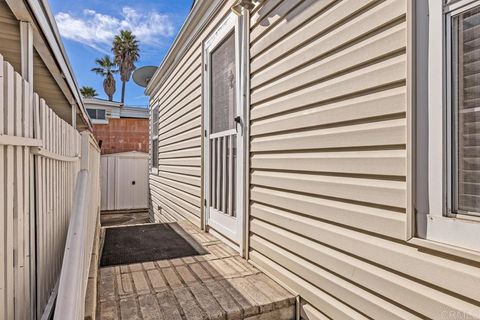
<point>143,75</point>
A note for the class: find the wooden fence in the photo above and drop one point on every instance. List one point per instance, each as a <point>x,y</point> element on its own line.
<point>39,162</point>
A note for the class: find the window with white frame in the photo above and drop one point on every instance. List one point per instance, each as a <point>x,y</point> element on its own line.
<point>154,137</point>
<point>96,114</point>
<point>464,111</point>
<point>447,154</point>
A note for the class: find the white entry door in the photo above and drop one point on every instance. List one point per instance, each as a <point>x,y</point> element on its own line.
<point>224,142</point>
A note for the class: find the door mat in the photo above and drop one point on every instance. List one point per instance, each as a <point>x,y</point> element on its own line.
<point>148,242</point>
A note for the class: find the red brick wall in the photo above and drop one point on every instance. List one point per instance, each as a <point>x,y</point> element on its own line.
<point>122,135</point>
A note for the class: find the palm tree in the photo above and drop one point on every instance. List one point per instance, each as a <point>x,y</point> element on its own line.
<point>107,68</point>
<point>88,92</point>
<point>126,51</point>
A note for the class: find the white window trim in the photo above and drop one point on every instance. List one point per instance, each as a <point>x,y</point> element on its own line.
<point>430,224</point>
<point>153,170</point>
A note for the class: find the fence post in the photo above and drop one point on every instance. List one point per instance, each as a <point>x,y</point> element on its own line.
<point>74,115</point>
<point>84,160</point>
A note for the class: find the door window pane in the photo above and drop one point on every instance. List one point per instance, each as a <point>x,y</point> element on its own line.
<point>223,76</point>
<point>466,113</point>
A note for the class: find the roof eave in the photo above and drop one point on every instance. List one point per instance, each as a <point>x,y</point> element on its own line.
<point>39,14</point>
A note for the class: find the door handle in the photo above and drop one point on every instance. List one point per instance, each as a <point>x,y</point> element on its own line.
<point>238,121</point>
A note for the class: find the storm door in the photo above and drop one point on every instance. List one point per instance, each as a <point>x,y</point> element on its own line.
<point>223,132</point>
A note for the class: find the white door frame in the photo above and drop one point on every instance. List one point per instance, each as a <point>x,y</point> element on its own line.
<point>212,220</point>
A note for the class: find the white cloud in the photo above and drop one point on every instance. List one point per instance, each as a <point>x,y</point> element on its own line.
<point>97,30</point>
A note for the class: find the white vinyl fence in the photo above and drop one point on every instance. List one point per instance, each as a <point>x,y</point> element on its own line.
<point>39,163</point>
<point>56,165</point>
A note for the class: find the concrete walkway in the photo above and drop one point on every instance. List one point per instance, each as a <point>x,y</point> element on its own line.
<point>118,218</point>
<point>218,285</point>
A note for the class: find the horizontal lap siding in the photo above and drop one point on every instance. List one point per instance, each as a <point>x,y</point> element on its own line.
<point>10,36</point>
<point>179,143</point>
<point>176,191</point>
<point>328,164</point>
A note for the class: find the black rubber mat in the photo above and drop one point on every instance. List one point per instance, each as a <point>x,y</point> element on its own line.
<point>148,242</point>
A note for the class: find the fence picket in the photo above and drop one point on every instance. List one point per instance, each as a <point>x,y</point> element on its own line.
<point>9,188</point>
<point>18,214</point>
<point>3,307</point>
<point>27,163</point>
<point>40,207</point>
<point>27,116</point>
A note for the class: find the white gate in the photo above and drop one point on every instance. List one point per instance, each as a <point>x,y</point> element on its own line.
<point>124,180</point>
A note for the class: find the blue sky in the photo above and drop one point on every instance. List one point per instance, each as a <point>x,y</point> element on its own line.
<point>87,28</point>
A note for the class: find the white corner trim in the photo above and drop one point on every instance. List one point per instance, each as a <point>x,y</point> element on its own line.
<point>436,109</point>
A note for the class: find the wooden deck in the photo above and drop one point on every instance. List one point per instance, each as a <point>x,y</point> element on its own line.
<point>218,285</point>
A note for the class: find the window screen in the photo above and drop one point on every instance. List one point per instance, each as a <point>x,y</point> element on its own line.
<point>155,122</point>
<point>154,137</point>
<point>92,113</point>
<point>101,114</point>
<point>155,153</point>
<point>466,111</point>
<point>97,114</point>
<point>223,75</point>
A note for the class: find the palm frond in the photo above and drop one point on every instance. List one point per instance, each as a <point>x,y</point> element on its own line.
<point>106,67</point>
<point>126,51</point>
<point>88,92</point>
<point>99,71</point>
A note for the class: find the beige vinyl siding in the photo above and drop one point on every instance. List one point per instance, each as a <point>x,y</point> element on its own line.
<point>46,86</point>
<point>43,81</point>
<point>176,191</point>
<point>328,165</point>
<point>10,36</point>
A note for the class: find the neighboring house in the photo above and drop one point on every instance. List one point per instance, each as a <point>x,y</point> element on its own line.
<point>334,144</point>
<point>118,128</point>
<point>45,144</point>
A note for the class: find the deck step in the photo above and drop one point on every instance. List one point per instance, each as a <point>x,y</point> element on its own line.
<point>218,285</point>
